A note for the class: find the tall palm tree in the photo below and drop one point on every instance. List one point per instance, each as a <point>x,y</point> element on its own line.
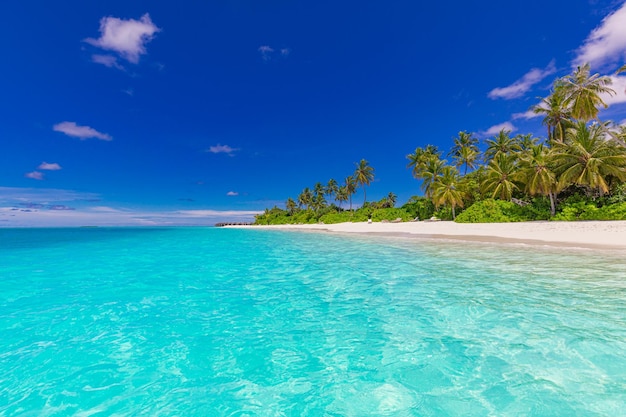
<point>589,159</point>
<point>349,185</point>
<point>419,158</point>
<point>291,206</point>
<point>305,198</point>
<point>557,115</point>
<point>582,92</point>
<point>432,171</point>
<point>465,150</point>
<point>342,195</point>
<point>332,188</point>
<point>363,176</point>
<point>621,69</point>
<point>537,175</point>
<point>445,190</point>
<point>392,199</point>
<point>499,177</point>
<point>501,143</point>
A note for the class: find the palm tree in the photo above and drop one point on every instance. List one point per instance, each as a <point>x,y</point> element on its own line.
<point>501,143</point>
<point>589,159</point>
<point>621,69</point>
<point>342,195</point>
<point>537,175</point>
<point>332,188</point>
<point>363,176</point>
<point>305,198</point>
<point>582,92</point>
<point>419,158</point>
<point>499,177</point>
<point>291,206</point>
<point>465,150</point>
<point>445,190</point>
<point>557,115</point>
<point>391,199</point>
<point>349,184</point>
<point>432,171</point>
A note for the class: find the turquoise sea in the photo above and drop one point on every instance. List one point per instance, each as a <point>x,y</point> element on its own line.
<point>224,322</point>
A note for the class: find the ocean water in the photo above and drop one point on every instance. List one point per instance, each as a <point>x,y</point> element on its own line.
<point>223,322</point>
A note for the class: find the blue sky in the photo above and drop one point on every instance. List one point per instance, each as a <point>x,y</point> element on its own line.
<point>150,112</point>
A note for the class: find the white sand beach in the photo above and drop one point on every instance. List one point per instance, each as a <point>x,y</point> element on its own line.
<point>584,234</point>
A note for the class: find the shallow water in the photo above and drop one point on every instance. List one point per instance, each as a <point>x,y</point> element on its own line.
<point>223,322</point>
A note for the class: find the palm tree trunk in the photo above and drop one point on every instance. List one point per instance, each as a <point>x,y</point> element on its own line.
<point>364,196</point>
<point>453,213</point>
<point>552,205</point>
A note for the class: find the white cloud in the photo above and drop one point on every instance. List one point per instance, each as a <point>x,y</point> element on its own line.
<point>606,44</point>
<point>106,60</point>
<point>266,52</point>
<point>526,115</point>
<point>81,132</point>
<point>619,86</point>
<point>16,195</point>
<point>494,130</point>
<point>222,149</point>
<point>49,166</point>
<point>35,175</point>
<point>524,84</point>
<point>232,193</point>
<point>128,38</point>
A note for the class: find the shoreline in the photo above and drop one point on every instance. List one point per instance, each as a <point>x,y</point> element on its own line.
<point>596,235</point>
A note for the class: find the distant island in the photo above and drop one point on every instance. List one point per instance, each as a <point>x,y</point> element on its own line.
<point>578,172</point>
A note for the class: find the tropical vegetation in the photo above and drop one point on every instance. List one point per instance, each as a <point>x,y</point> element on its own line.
<point>577,172</point>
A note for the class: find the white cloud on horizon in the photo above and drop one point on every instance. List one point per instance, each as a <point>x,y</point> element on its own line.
<point>81,132</point>
<point>524,84</point>
<point>63,216</point>
<point>128,38</point>
<point>17,195</point>
<point>495,129</point>
<point>49,166</point>
<point>222,149</point>
<point>35,175</point>
<point>606,44</point>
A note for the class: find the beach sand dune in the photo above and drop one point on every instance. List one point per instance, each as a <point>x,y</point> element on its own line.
<point>583,234</point>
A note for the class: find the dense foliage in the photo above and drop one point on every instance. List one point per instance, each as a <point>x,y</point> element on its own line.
<point>578,172</point>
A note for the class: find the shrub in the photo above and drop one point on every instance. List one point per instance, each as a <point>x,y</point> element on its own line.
<point>390,214</point>
<point>495,211</point>
<point>420,207</point>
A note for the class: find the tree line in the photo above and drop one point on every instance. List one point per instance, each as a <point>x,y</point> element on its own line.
<point>580,165</point>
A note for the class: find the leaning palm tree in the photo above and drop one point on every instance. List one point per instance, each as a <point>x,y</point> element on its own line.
<point>499,180</point>
<point>557,115</point>
<point>589,159</point>
<point>501,143</point>
<point>583,90</point>
<point>465,150</point>
<point>419,159</point>
<point>363,176</point>
<point>621,69</point>
<point>349,184</point>
<point>445,191</point>
<point>537,175</point>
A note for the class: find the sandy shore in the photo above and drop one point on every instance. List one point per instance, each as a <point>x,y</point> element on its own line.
<point>588,234</point>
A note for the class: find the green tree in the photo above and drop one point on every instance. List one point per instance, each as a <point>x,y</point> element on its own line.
<point>342,195</point>
<point>583,90</point>
<point>431,173</point>
<point>349,185</point>
<point>291,206</point>
<point>499,177</point>
<point>537,175</point>
<point>392,199</point>
<point>363,176</point>
<point>305,198</point>
<point>556,114</point>
<point>465,150</point>
<point>445,191</point>
<point>501,143</point>
<point>588,159</point>
<point>332,188</point>
<point>419,159</point>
